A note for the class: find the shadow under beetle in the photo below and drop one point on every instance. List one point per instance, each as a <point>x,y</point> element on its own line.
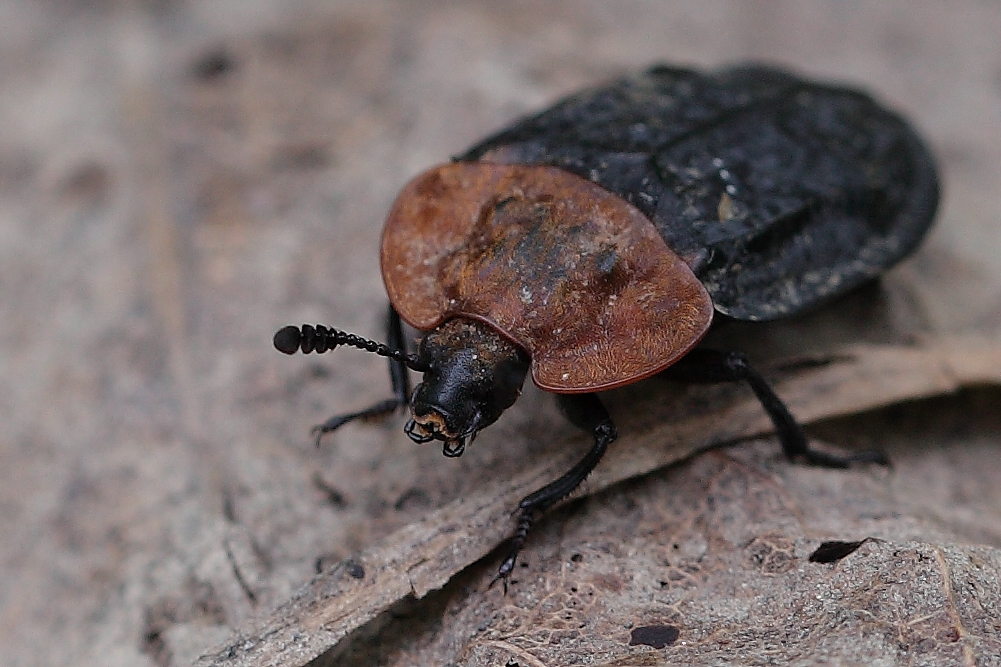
<point>591,245</point>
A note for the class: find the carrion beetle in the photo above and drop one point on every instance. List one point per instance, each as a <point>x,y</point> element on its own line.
<point>592,244</point>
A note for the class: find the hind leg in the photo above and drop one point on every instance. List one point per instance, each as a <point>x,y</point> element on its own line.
<point>705,366</point>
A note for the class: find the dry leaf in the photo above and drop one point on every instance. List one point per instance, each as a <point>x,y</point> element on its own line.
<point>424,556</point>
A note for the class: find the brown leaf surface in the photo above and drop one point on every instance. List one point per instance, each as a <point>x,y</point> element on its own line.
<point>426,555</point>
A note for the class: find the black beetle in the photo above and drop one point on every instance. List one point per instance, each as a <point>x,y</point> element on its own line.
<point>592,244</point>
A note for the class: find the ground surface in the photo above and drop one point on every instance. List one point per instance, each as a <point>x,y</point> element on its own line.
<point>178,179</point>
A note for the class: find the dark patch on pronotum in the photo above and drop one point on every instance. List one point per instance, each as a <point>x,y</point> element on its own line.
<point>657,636</point>
<point>835,550</point>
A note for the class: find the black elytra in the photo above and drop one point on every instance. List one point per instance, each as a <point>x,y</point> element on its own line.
<point>590,245</point>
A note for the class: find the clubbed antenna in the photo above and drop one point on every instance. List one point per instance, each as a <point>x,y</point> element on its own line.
<point>321,339</point>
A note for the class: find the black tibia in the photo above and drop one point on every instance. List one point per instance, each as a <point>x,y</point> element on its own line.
<point>586,412</point>
<point>705,366</point>
<point>397,370</point>
<point>397,374</point>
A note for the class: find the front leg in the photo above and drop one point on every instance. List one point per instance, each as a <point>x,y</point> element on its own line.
<point>702,366</point>
<point>587,412</point>
<point>398,376</point>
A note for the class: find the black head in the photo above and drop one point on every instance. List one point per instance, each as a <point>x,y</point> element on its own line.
<point>473,374</point>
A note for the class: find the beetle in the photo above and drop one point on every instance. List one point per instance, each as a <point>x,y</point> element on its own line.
<point>593,244</point>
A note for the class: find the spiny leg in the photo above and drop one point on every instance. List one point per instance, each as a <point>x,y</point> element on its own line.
<point>586,412</point>
<point>704,366</point>
<point>397,374</point>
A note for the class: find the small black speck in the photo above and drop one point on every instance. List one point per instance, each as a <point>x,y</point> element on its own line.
<point>213,66</point>
<point>355,569</point>
<point>657,636</point>
<point>576,558</point>
<point>835,550</point>
<point>324,562</point>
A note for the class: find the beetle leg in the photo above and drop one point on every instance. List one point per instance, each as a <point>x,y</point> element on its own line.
<point>398,376</point>
<point>586,412</point>
<point>701,365</point>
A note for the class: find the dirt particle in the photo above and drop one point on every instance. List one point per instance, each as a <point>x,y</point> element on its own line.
<point>213,66</point>
<point>835,550</point>
<point>657,636</point>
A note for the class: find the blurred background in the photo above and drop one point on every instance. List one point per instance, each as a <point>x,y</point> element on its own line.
<point>179,178</point>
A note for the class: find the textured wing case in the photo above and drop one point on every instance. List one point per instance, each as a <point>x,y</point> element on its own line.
<point>779,193</point>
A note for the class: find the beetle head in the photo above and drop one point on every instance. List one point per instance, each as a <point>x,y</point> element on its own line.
<point>473,375</point>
